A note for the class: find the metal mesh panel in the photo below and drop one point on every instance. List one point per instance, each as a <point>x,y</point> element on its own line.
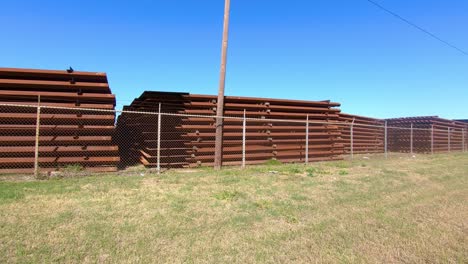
<point>17,138</point>
<point>79,138</point>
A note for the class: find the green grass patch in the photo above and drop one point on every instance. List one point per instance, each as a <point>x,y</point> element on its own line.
<point>366,211</point>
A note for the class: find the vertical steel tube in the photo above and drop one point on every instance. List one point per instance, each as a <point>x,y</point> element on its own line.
<point>244,126</point>
<point>386,141</point>
<point>432,139</point>
<point>36,147</point>
<point>411,140</point>
<point>222,81</point>
<point>463,140</point>
<point>449,140</point>
<point>352,139</point>
<point>307,141</point>
<point>159,141</point>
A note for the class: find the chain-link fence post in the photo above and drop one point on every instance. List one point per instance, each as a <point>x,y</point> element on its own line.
<point>244,128</point>
<point>159,141</point>
<point>432,139</point>
<point>36,147</point>
<point>411,139</point>
<point>449,140</point>
<point>307,141</point>
<point>352,138</point>
<point>463,140</point>
<point>386,140</point>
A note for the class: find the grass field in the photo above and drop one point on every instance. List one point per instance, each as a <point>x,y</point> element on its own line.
<point>369,210</point>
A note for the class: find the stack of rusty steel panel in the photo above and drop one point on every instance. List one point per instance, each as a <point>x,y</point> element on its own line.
<point>69,134</point>
<point>188,139</point>
<point>368,134</point>
<point>429,134</point>
<point>137,131</point>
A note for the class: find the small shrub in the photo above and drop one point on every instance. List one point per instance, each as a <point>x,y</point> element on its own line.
<point>291,219</point>
<point>295,170</point>
<point>227,195</point>
<point>311,172</point>
<point>343,172</point>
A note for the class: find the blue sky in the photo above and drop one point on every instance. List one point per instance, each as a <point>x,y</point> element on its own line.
<point>347,51</point>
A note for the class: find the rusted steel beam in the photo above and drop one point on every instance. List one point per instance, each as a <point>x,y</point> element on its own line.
<point>67,136</point>
<point>194,135</point>
<point>39,74</point>
<point>52,85</point>
<point>60,96</point>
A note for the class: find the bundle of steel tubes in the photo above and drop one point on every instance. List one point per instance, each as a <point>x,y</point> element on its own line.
<point>362,135</point>
<point>65,135</point>
<point>429,134</point>
<point>55,119</point>
<point>275,129</point>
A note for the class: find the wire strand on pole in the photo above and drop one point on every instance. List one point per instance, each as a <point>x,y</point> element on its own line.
<point>307,141</point>
<point>159,141</point>
<point>244,128</point>
<point>417,27</point>
<point>36,147</point>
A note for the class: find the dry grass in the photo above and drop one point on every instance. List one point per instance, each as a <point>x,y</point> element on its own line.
<point>368,210</point>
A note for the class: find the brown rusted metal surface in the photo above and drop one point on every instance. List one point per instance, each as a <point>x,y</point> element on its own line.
<point>447,135</point>
<point>67,136</point>
<point>189,141</point>
<point>368,134</point>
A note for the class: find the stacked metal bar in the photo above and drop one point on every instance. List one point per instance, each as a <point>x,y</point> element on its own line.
<point>137,131</point>
<point>429,134</point>
<point>368,134</point>
<point>68,136</point>
<point>188,139</point>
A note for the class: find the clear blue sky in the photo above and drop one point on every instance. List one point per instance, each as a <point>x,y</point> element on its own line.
<point>347,51</point>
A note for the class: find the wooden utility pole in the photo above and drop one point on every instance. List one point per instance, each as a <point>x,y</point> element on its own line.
<point>222,81</point>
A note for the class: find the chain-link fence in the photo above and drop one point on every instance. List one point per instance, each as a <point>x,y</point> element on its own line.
<point>41,138</point>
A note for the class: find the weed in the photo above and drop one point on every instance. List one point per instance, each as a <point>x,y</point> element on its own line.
<point>273,162</point>
<point>295,170</point>
<point>227,195</point>
<point>311,172</point>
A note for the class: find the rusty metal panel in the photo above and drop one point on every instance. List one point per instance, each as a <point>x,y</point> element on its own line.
<point>71,136</point>
<point>445,135</point>
<point>275,130</point>
<point>368,134</point>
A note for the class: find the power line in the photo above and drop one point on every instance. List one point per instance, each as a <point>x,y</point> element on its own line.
<point>417,27</point>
